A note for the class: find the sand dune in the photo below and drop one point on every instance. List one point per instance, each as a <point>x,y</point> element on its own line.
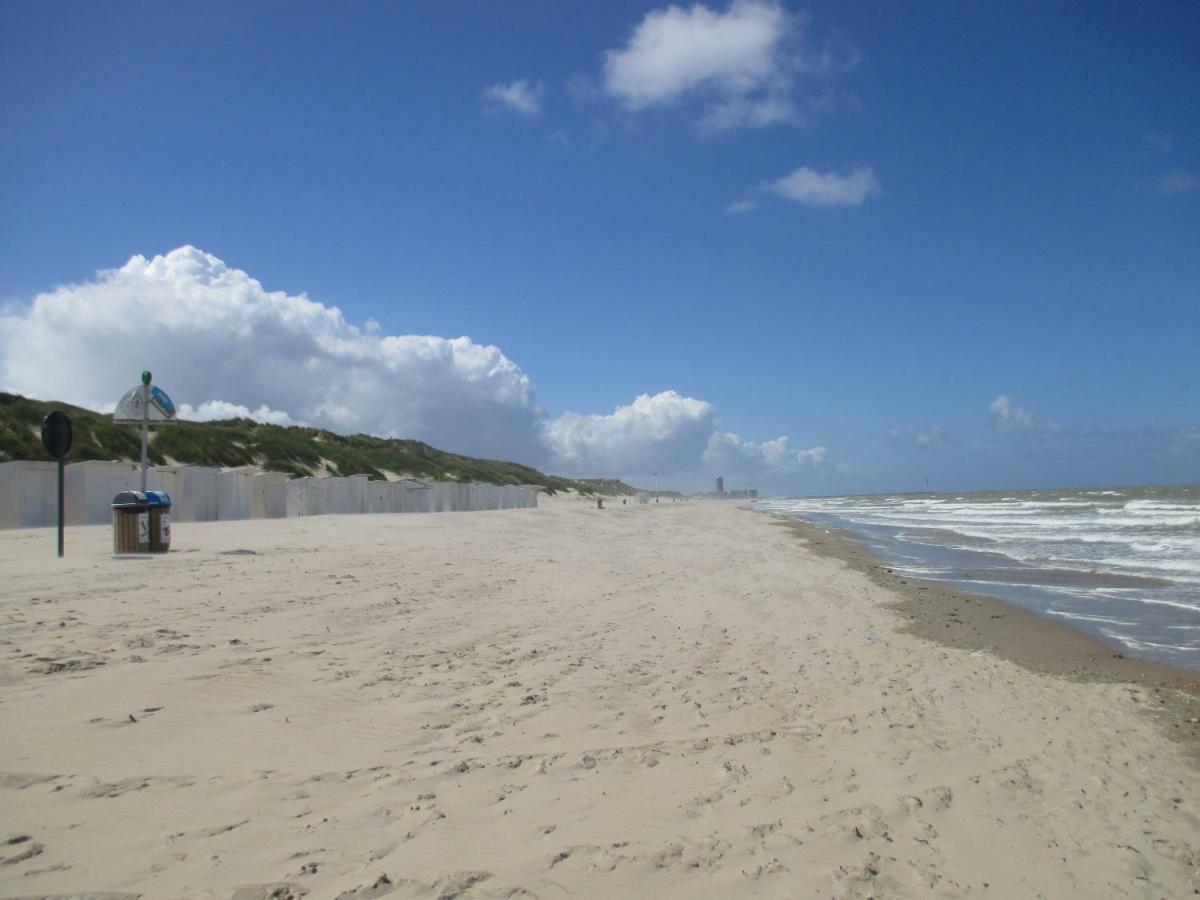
<point>677,700</point>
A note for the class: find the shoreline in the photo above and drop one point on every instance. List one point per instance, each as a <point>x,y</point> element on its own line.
<point>966,620</point>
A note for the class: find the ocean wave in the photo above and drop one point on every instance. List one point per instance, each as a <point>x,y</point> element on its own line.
<point>1177,604</point>
<point>1138,644</point>
<point>1102,536</point>
<point>1179,569</point>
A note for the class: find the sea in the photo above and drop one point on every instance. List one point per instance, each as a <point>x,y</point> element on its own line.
<point>1120,563</point>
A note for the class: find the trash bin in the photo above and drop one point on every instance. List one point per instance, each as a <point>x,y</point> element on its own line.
<point>131,522</point>
<point>160,521</point>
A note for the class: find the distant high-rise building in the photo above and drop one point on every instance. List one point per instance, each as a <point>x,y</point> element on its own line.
<point>720,484</point>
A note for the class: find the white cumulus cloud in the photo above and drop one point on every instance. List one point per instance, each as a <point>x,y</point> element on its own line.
<point>814,188</point>
<point>213,335</point>
<point>1009,415</point>
<point>666,432</point>
<point>217,410</point>
<point>518,96</point>
<point>727,451</point>
<point>225,347</point>
<point>742,63</point>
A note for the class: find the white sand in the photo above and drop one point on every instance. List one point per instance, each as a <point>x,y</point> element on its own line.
<point>676,701</point>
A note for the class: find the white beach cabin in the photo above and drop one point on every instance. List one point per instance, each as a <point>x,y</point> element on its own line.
<point>337,494</point>
<point>462,497</point>
<point>304,497</point>
<point>408,496</point>
<point>442,496</point>
<point>358,492</point>
<point>91,486</point>
<point>234,490</point>
<point>269,495</point>
<point>379,496</point>
<point>192,489</point>
<point>28,494</point>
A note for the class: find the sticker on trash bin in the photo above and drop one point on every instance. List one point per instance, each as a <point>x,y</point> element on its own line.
<point>143,528</point>
<point>164,529</point>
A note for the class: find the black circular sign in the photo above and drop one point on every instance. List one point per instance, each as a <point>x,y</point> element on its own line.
<point>56,434</point>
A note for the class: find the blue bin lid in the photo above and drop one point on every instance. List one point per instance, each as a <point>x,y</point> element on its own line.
<point>158,499</point>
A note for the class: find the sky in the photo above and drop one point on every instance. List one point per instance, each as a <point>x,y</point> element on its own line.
<point>816,248</point>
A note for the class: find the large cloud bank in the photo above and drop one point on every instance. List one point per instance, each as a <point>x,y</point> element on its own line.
<point>226,347</point>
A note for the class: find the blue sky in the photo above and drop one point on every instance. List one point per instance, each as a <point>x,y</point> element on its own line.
<point>851,225</point>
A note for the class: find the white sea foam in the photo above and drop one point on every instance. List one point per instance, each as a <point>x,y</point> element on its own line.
<point>1136,644</point>
<point>1175,603</point>
<point>1142,532</point>
<point>1082,617</point>
<point>1188,569</point>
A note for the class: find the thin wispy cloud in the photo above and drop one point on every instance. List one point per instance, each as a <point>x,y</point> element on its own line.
<point>742,65</point>
<point>1177,182</point>
<point>1160,142</point>
<point>933,437</point>
<point>520,97</point>
<point>812,188</point>
<point>740,207</point>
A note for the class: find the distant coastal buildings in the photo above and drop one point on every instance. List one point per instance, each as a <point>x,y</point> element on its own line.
<point>747,494</point>
<point>743,494</point>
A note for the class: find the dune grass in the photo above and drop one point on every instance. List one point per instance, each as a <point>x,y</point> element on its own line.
<point>239,442</point>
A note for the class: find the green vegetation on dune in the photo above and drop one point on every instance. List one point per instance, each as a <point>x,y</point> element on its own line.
<point>239,442</point>
<point>608,486</point>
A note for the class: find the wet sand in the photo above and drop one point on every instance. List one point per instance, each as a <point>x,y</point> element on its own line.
<point>971,621</point>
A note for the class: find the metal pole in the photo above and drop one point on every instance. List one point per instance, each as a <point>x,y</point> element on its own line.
<point>145,431</point>
<point>61,507</point>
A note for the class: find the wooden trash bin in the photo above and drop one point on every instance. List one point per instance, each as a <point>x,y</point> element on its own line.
<point>160,521</point>
<point>131,522</point>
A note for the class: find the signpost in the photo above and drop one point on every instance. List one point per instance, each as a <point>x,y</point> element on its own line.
<point>56,438</point>
<point>145,405</point>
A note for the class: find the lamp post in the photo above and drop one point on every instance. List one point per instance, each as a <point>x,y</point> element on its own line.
<point>145,427</point>
<point>143,406</point>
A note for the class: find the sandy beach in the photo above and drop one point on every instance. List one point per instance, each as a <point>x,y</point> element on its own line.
<point>672,700</point>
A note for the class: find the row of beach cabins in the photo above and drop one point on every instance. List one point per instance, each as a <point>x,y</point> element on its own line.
<point>29,493</point>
